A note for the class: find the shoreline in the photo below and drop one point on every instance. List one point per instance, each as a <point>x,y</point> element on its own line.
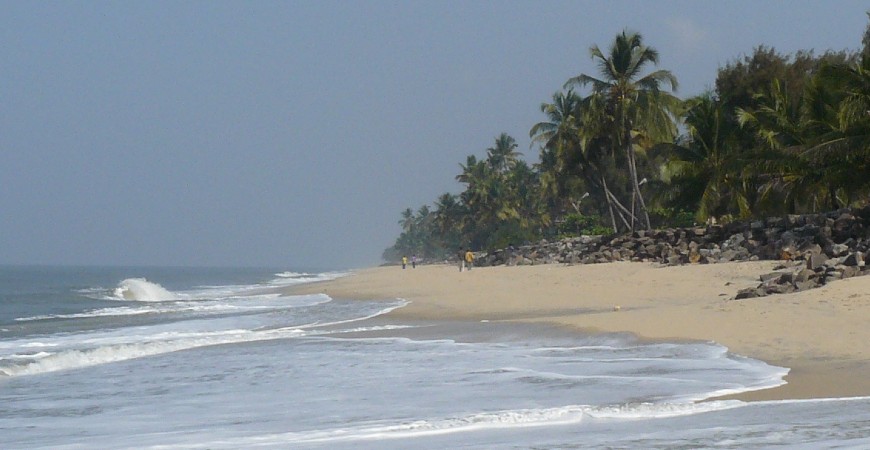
<point>818,334</point>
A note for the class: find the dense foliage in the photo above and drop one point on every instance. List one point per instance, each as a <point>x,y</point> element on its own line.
<point>619,152</point>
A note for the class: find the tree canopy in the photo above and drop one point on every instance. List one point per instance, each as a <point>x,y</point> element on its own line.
<point>619,151</point>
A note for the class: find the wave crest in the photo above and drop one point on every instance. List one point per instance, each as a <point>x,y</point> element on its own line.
<point>142,290</point>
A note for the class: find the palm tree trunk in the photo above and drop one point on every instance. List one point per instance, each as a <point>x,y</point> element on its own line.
<point>635,184</point>
<point>620,209</point>
<point>609,205</point>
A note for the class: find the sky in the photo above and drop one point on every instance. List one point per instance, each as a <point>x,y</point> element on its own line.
<point>292,134</point>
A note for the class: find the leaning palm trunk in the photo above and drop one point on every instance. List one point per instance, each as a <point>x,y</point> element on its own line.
<point>636,196</point>
<point>609,205</point>
<point>635,185</point>
<point>619,209</point>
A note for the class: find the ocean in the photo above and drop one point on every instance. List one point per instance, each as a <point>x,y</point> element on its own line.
<point>180,358</point>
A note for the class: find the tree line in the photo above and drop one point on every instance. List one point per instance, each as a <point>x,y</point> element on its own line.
<point>619,151</point>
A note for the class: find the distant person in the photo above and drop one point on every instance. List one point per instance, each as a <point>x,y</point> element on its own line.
<point>512,255</point>
<point>469,259</point>
<point>404,261</point>
<point>461,256</point>
<point>414,261</point>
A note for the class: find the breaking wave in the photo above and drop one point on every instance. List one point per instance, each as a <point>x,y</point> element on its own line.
<point>142,290</point>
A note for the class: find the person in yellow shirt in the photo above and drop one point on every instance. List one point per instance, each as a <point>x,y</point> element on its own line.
<point>404,261</point>
<point>469,259</point>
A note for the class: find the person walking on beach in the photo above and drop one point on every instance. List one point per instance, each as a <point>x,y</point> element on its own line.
<point>404,261</point>
<point>469,259</point>
<point>461,256</point>
<point>414,261</point>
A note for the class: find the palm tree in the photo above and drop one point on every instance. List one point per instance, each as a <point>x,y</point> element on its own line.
<point>817,146</point>
<point>783,127</point>
<point>852,81</point>
<point>448,213</point>
<point>503,155</point>
<point>637,107</point>
<point>407,222</point>
<point>847,146</point>
<point>702,171</point>
<point>556,136</point>
<point>577,156</point>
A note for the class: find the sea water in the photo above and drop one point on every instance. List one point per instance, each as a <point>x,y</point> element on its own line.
<point>169,358</point>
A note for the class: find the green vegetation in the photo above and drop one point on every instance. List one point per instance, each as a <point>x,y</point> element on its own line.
<point>619,152</point>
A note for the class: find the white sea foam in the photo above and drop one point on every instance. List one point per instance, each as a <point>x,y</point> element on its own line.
<point>156,345</point>
<point>142,290</point>
<point>285,279</point>
<point>77,350</point>
<point>520,418</point>
<point>402,303</point>
<point>26,356</point>
<point>263,302</point>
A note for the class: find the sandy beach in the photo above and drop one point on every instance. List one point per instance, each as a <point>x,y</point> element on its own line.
<point>820,334</point>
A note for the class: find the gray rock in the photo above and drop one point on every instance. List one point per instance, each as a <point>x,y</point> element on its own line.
<point>728,255</point>
<point>854,260</point>
<point>804,275</point>
<point>804,285</point>
<point>838,250</point>
<point>746,293</point>
<point>833,275</point>
<point>773,276</point>
<point>849,272</point>
<point>816,260</point>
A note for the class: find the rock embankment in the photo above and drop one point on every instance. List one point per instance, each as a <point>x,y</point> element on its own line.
<point>815,248</point>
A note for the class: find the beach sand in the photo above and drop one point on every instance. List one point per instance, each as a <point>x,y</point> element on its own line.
<point>821,334</point>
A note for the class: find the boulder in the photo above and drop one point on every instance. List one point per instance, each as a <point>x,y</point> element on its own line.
<point>855,259</point>
<point>746,293</point>
<point>816,260</point>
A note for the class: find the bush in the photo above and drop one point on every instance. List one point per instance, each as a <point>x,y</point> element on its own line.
<point>671,218</point>
<point>578,224</point>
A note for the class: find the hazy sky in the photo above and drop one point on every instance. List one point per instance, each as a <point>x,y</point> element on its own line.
<point>292,134</point>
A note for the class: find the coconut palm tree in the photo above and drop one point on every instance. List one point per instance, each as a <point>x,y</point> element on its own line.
<point>408,221</point>
<point>847,146</point>
<point>637,107</point>
<point>577,156</point>
<point>817,146</point>
<point>557,136</point>
<point>702,172</point>
<point>448,213</point>
<point>503,156</point>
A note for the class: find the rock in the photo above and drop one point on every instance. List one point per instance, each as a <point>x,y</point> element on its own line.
<point>771,276</point>
<point>810,248</point>
<point>815,261</point>
<point>804,285</point>
<point>778,289</point>
<point>734,241</point>
<point>838,250</point>
<point>746,293</point>
<point>788,253</point>
<point>803,275</point>
<point>854,260</point>
<point>833,275</point>
<point>728,255</point>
